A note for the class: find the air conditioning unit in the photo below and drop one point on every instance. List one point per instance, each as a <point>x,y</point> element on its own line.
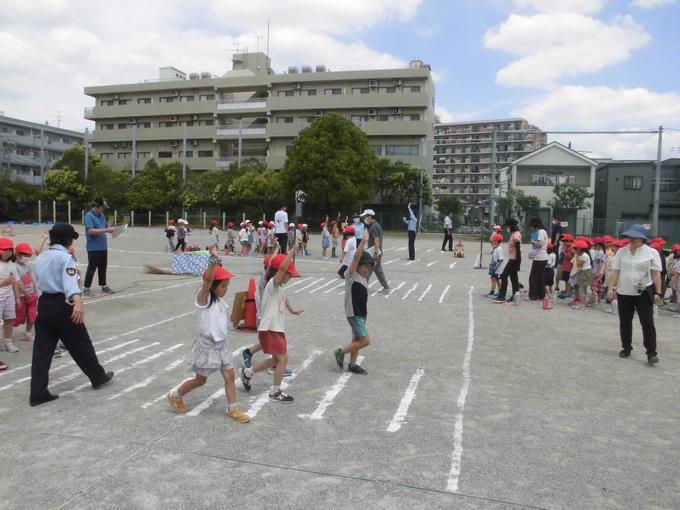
<point>396,111</point>
<point>173,118</point>
<point>194,116</point>
<point>116,96</point>
<point>132,120</point>
<point>175,92</point>
<point>396,82</point>
<point>372,83</point>
<point>173,143</point>
<point>296,86</point>
<point>318,113</point>
<point>115,145</point>
<point>194,143</point>
<point>372,112</point>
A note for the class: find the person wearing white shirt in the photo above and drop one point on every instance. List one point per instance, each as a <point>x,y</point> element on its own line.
<point>448,232</point>
<point>635,282</point>
<point>281,228</point>
<point>539,254</point>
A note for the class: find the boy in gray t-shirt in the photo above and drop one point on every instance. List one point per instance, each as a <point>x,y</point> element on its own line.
<point>356,308</point>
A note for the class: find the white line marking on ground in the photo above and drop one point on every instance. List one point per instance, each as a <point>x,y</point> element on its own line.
<point>402,410</point>
<point>310,285</point>
<point>148,380</point>
<point>263,397</point>
<point>389,262</point>
<point>457,455</point>
<point>401,249</point>
<point>376,292</point>
<point>453,264</point>
<point>153,325</point>
<point>290,286</point>
<point>430,250</point>
<point>395,289</point>
<point>477,261</point>
<point>441,298</point>
<point>425,293</point>
<point>330,395</point>
<point>323,286</point>
<point>415,285</point>
<point>411,262</point>
<point>121,296</point>
<point>333,288</point>
<point>432,263</point>
<point>374,282</point>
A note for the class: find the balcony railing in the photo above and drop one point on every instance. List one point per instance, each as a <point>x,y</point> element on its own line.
<point>254,103</point>
<point>235,131</point>
<point>89,111</point>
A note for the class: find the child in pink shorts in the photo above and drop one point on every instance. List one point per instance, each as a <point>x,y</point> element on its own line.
<point>28,311</point>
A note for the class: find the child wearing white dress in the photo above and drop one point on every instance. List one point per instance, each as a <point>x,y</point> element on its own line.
<point>211,352</point>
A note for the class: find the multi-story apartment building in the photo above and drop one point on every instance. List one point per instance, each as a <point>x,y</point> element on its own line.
<point>252,112</point>
<point>29,149</point>
<point>462,154</point>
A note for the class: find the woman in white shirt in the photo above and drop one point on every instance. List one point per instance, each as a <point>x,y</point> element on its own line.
<point>539,254</point>
<point>635,282</point>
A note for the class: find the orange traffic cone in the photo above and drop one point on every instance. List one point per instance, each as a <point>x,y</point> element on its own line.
<point>250,310</point>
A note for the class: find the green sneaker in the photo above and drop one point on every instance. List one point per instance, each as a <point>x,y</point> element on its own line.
<point>356,369</point>
<point>339,357</point>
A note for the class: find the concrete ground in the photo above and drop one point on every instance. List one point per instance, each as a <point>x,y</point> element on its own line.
<point>467,404</point>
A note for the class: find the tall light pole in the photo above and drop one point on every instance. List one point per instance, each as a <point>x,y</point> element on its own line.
<point>86,163</point>
<point>423,155</point>
<point>492,181</point>
<point>657,186</point>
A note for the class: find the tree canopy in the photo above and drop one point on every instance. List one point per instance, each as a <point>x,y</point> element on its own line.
<point>516,204</point>
<point>571,197</point>
<point>447,204</point>
<point>399,183</point>
<point>156,187</point>
<point>332,162</point>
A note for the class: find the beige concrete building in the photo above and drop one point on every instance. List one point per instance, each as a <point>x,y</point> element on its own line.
<point>252,112</point>
<point>462,154</point>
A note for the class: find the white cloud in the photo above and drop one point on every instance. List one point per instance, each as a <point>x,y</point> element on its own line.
<point>651,4</point>
<point>556,44</point>
<point>49,54</point>
<point>444,114</point>
<point>605,108</point>
<point>582,6</point>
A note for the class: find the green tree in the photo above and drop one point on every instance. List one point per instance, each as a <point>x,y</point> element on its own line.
<point>399,183</point>
<point>257,191</point>
<point>156,188</point>
<point>65,185</point>
<point>111,184</point>
<point>17,199</point>
<point>449,204</point>
<point>73,159</point>
<point>571,197</point>
<point>517,204</point>
<point>332,162</point>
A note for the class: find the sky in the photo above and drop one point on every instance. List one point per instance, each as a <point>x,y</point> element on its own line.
<point>579,65</point>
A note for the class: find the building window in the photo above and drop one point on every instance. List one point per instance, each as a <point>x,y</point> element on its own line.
<point>107,102</point>
<point>143,155</point>
<point>284,93</point>
<point>123,155</point>
<point>284,120</point>
<point>666,184</point>
<point>3,129</point>
<point>205,154</point>
<point>377,149</point>
<point>359,119</point>
<point>308,92</point>
<point>166,124</point>
<point>186,99</point>
<point>401,150</point>
<point>387,90</point>
<point>360,90</point>
<point>632,182</point>
<point>382,118</point>
<point>122,126</point>
<point>168,99</point>
<point>164,154</point>
<point>123,102</point>
<point>412,88</point>
<point>144,100</point>
<point>206,97</point>
<point>190,154</point>
<point>144,124</point>
<point>413,116</point>
<point>106,155</point>
<point>187,123</point>
<point>332,92</point>
<point>106,126</point>
<point>206,122</point>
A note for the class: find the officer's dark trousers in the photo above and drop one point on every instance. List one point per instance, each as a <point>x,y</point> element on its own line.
<point>96,261</point>
<point>411,244</point>
<point>53,324</point>
<point>448,238</point>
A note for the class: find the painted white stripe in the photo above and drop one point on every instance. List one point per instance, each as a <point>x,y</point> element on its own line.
<point>441,298</point>
<point>457,455</point>
<point>128,367</point>
<point>402,410</point>
<point>123,296</point>
<point>432,263</point>
<point>389,262</point>
<point>430,250</point>
<point>310,285</point>
<point>411,262</point>
<point>330,395</point>
<point>333,288</point>
<point>395,289</point>
<point>153,325</point>
<point>322,287</point>
<point>376,292</point>
<point>297,282</point>
<point>148,380</point>
<point>403,248</point>
<point>263,397</point>
<point>477,260</point>
<point>425,292</point>
<point>408,292</point>
<point>453,264</point>
<point>372,284</point>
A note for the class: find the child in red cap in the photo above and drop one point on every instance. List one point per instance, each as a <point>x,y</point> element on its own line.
<point>211,352</point>
<point>497,263</point>
<point>565,266</point>
<point>28,311</point>
<point>582,273</point>
<point>271,330</point>
<point>215,234</point>
<point>549,277</point>
<point>10,292</point>
<point>673,265</point>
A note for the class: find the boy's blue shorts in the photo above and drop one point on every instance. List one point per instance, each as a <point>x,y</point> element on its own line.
<point>358,325</point>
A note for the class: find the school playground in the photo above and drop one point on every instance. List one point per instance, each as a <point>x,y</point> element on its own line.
<point>466,404</point>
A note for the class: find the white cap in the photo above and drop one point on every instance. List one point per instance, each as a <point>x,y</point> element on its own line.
<point>368,212</point>
<point>260,223</point>
<point>182,222</point>
<point>291,224</point>
<point>247,221</point>
<point>305,225</point>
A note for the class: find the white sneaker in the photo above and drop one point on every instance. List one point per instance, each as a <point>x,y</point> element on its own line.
<point>9,346</point>
<point>28,337</point>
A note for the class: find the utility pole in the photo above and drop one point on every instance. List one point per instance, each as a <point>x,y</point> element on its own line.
<point>657,186</point>
<point>184,153</point>
<point>86,163</point>
<point>134,150</point>
<point>423,155</point>
<point>42,158</point>
<point>240,142</point>
<point>492,179</point>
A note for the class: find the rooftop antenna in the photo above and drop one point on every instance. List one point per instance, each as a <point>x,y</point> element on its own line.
<point>58,117</point>
<point>236,46</point>
<point>267,36</point>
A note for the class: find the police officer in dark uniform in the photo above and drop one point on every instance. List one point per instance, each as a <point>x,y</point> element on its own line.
<point>60,316</point>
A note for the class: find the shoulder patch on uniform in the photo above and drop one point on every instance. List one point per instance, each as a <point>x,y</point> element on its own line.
<point>70,271</point>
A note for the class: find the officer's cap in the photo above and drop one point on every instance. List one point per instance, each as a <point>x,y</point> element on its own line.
<point>64,230</point>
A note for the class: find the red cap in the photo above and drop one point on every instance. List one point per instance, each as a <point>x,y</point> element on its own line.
<point>277,260</point>
<point>675,247</point>
<point>618,242</point>
<point>350,230</point>
<point>230,224</point>
<point>585,240</point>
<point>597,240</point>
<point>323,225</point>
<point>24,249</point>
<point>497,228</point>
<point>567,237</point>
<point>220,274</point>
<point>72,250</point>
<point>171,221</point>
<point>333,222</point>
<point>550,245</point>
<point>607,239</point>
<point>6,244</point>
<point>626,241</point>
<point>580,244</point>
<point>214,222</point>
<point>659,240</point>
<point>497,237</point>
<point>299,226</point>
